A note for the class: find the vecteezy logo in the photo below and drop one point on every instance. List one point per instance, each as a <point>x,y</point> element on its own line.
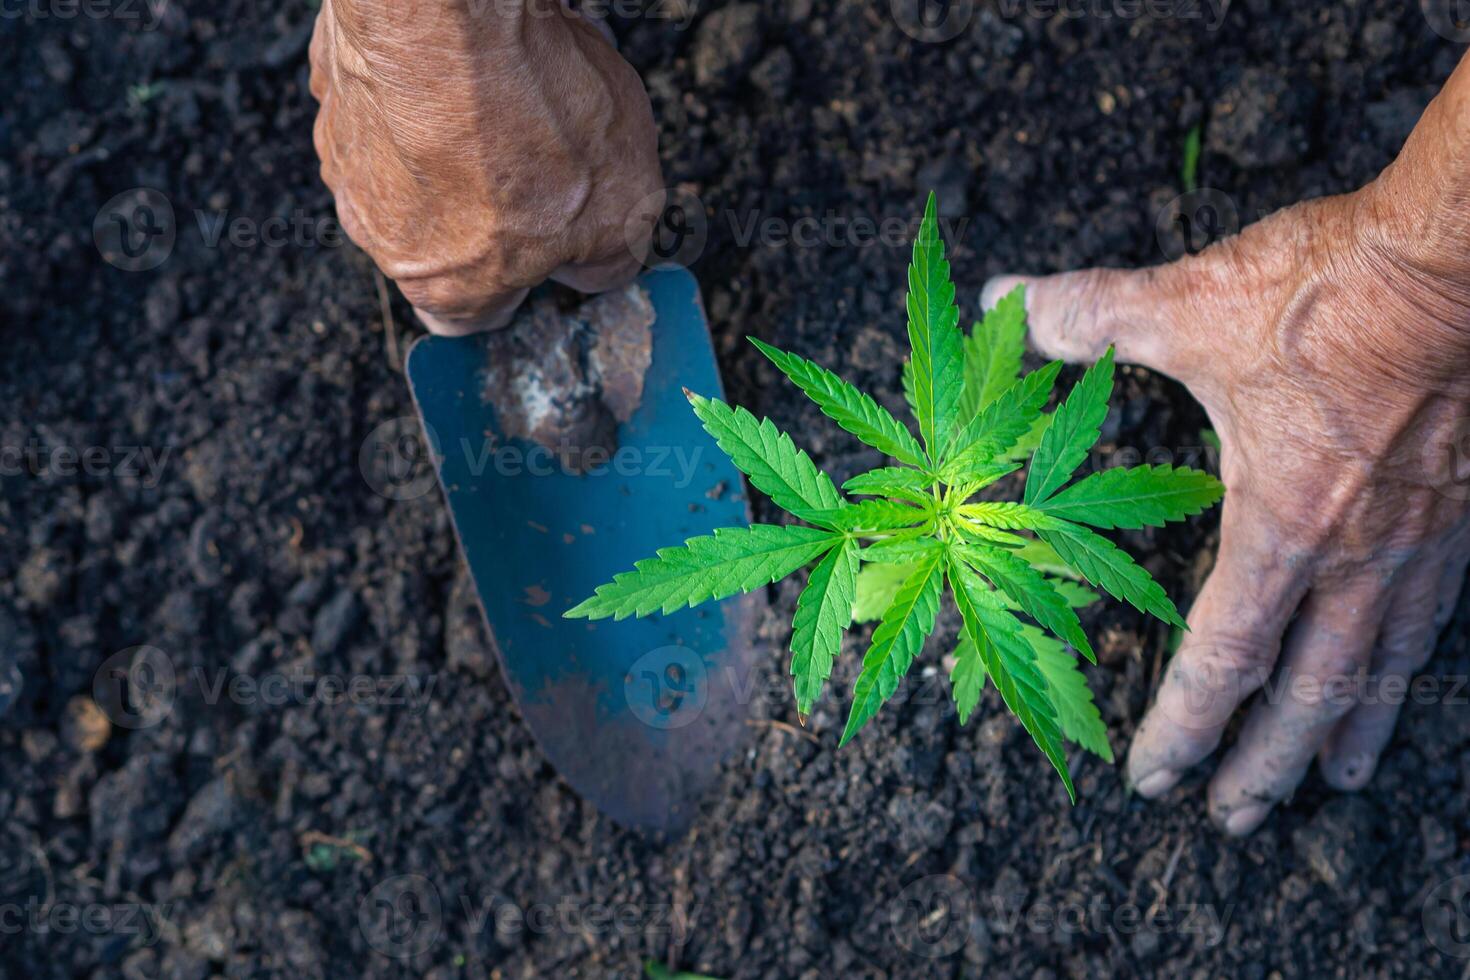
<point>135,687</point>
<point>1450,19</point>
<point>1447,461</point>
<point>1447,917</point>
<point>932,21</point>
<point>668,687</point>
<point>931,917</point>
<point>667,229</point>
<point>135,230</point>
<point>396,462</point>
<point>402,916</point>
<point>1194,221</point>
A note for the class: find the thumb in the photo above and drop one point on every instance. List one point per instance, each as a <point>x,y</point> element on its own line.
<point>1074,316</point>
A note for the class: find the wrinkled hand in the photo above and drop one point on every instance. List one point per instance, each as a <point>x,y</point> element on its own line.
<point>476,151</point>
<point>1333,364</point>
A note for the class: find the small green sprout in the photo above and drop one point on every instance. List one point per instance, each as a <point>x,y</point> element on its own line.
<point>143,93</point>
<point>921,526</point>
<point>655,970</point>
<point>1189,168</point>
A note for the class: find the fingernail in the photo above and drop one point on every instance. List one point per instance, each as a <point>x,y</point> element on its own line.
<point>1246,819</point>
<point>996,288</point>
<point>1352,773</point>
<point>1156,783</point>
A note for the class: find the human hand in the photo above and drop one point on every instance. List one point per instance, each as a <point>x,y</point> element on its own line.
<point>476,151</point>
<point>1329,344</point>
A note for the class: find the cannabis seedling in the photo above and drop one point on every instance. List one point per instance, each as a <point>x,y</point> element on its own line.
<point>890,556</point>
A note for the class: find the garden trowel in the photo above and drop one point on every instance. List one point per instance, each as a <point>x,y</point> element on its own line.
<point>567,450</point>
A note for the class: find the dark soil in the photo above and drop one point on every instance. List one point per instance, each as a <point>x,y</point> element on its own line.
<point>255,833</point>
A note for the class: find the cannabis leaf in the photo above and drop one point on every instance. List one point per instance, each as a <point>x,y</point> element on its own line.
<point>1076,713</point>
<point>855,411</point>
<point>938,348</point>
<point>966,678</point>
<point>1026,587</point>
<point>823,614</point>
<point>998,425</point>
<point>1144,496</point>
<point>896,641</point>
<point>1073,431</point>
<point>732,560</point>
<point>1014,569</point>
<point>767,456</point>
<point>1011,663</point>
<point>993,352</point>
<point>1108,567</point>
<point>892,481</point>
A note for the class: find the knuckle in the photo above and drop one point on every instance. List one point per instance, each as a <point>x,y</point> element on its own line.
<point>1406,638</point>
<point>1330,690</point>
<point>1248,656</point>
<point>444,296</point>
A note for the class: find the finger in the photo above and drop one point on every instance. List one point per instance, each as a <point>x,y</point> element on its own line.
<point>1235,636</point>
<point>1450,588</point>
<point>599,23</point>
<point>491,314</point>
<point>1076,315</point>
<point>599,277</point>
<point>1421,607</point>
<point>316,54</point>
<point>1327,650</point>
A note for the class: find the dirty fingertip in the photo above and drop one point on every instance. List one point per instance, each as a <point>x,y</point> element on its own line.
<point>996,289</point>
<point>1350,772</point>
<point>1156,783</point>
<point>1243,819</point>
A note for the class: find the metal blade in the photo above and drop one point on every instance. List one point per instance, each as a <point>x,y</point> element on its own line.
<point>636,715</point>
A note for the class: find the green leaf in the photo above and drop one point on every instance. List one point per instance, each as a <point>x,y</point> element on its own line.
<point>1077,596</point>
<point>1077,714</point>
<point>1108,567</point>
<point>900,548</point>
<point>1067,688</point>
<point>995,430</point>
<point>1137,497</point>
<point>989,535</point>
<point>657,971</point>
<point>850,408</point>
<point>977,478</point>
<point>893,481</point>
<point>877,586</point>
<point>733,559</point>
<point>1010,662</point>
<point>1007,514</point>
<point>897,640</point>
<point>1038,597</point>
<point>1025,446</point>
<point>823,613</point>
<point>993,352</point>
<point>934,335</point>
<point>867,515</point>
<point>1044,558</point>
<point>1073,431</point>
<point>909,394</point>
<point>1189,165</point>
<point>767,456</point>
<point>967,677</point>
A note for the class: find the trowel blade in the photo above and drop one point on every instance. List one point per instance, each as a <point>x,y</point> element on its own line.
<point>636,715</point>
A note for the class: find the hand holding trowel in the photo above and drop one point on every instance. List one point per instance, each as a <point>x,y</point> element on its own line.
<point>475,152</point>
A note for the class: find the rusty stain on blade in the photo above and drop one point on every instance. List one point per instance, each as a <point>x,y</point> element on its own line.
<point>565,379</point>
